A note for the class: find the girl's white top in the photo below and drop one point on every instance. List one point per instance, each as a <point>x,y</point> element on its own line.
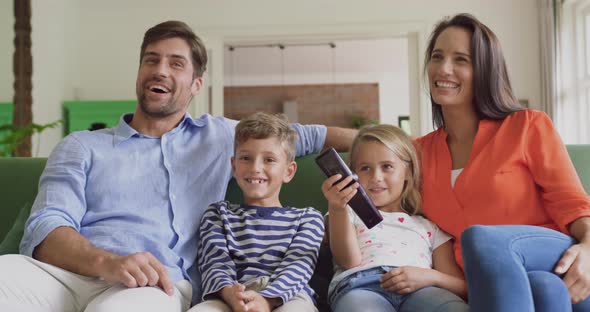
<point>399,240</point>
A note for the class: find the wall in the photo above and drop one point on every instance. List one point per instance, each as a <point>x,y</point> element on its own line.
<point>91,47</point>
<point>382,61</point>
<point>6,50</point>
<point>329,104</point>
<point>53,69</point>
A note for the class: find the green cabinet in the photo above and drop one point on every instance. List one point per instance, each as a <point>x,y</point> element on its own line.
<point>6,109</point>
<point>80,115</point>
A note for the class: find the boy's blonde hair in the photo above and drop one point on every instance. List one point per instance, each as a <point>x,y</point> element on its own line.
<point>400,143</point>
<point>263,126</point>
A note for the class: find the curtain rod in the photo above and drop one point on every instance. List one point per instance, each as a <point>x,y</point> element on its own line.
<point>281,46</point>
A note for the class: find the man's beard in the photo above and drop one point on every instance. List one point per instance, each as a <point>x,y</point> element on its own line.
<point>163,110</point>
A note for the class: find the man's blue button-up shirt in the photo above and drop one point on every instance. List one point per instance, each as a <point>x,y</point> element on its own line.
<point>127,192</point>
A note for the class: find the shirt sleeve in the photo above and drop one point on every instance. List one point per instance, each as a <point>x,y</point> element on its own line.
<point>231,125</point>
<point>298,265</point>
<point>215,264</point>
<point>436,235</point>
<point>311,138</point>
<point>551,167</point>
<point>61,197</point>
<point>353,217</point>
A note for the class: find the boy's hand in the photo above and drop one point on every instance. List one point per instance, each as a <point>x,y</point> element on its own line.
<point>235,297</point>
<point>336,194</point>
<point>406,279</point>
<point>257,303</point>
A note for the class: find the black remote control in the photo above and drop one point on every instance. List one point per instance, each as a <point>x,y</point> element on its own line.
<point>331,163</point>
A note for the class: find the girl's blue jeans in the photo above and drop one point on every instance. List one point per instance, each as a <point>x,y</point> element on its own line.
<point>361,292</point>
<point>510,268</point>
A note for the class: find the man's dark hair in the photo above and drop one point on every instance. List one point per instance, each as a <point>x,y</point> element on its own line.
<point>492,92</point>
<point>177,29</point>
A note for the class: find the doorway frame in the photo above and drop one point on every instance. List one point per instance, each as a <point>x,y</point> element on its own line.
<point>210,100</point>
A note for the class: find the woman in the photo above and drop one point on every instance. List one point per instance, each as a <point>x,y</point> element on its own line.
<point>490,162</point>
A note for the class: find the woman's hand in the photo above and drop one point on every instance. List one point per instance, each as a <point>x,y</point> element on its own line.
<point>336,194</point>
<point>407,279</point>
<point>575,263</point>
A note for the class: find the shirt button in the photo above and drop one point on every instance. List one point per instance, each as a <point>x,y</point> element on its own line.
<point>173,196</point>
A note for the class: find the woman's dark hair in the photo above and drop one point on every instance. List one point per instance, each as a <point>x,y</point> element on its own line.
<point>492,92</point>
<point>177,29</point>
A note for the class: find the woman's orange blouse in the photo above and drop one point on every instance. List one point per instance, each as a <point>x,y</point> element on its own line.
<point>518,172</point>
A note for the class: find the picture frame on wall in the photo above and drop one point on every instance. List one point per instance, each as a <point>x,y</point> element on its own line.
<point>404,123</point>
<point>524,103</point>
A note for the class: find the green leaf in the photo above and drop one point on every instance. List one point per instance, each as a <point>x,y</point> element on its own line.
<point>15,135</point>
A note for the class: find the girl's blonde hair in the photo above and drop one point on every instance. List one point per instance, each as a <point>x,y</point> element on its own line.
<point>401,145</point>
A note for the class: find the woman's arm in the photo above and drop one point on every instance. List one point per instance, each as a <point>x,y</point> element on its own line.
<point>580,230</point>
<point>564,199</point>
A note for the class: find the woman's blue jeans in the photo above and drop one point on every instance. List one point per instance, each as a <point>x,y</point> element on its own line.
<point>510,268</point>
<point>361,292</point>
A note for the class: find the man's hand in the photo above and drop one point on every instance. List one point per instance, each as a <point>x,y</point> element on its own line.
<point>136,270</point>
<point>575,263</point>
<point>406,279</point>
<point>64,247</point>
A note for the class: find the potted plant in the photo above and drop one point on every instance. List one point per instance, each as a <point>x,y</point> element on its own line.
<point>11,136</point>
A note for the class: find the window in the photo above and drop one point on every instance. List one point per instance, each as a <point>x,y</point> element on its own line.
<point>574,50</point>
<point>587,40</point>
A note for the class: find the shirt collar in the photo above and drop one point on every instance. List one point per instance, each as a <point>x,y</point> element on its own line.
<point>485,132</point>
<point>484,125</point>
<point>124,131</point>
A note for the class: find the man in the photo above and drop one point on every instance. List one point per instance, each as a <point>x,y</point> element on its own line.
<point>118,209</point>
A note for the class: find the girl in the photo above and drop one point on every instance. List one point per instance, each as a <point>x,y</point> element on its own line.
<point>405,263</point>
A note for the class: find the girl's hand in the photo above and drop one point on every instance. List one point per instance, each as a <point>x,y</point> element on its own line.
<point>575,263</point>
<point>406,279</point>
<point>336,194</point>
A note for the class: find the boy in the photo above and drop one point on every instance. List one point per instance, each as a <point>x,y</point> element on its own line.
<point>259,255</point>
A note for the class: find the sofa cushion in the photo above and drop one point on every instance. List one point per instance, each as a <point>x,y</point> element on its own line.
<point>580,155</point>
<point>12,239</point>
<point>18,185</point>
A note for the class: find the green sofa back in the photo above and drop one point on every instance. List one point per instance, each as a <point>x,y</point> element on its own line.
<point>18,187</point>
<point>20,176</point>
